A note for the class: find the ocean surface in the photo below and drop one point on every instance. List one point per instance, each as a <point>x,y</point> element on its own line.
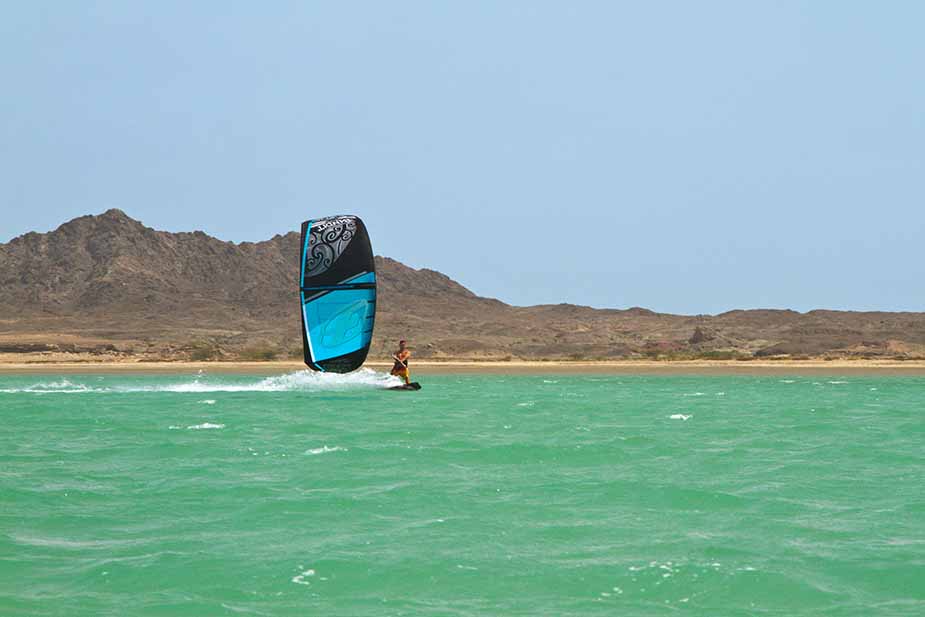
<point>307,494</point>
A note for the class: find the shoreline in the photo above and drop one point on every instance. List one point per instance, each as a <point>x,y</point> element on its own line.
<point>511,367</point>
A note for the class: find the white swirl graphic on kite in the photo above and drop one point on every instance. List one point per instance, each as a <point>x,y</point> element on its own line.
<point>327,243</point>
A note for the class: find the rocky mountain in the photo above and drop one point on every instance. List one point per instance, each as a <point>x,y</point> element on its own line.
<point>107,286</point>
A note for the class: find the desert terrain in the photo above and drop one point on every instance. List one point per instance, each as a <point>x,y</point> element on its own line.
<point>107,289</point>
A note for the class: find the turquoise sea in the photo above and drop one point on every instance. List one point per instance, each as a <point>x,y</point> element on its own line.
<point>307,494</point>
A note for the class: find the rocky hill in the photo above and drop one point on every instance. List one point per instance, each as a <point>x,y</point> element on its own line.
<point>107,286</point>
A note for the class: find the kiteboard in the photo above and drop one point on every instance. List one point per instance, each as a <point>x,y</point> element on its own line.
<point>407,386</point>
<point>337,288</point>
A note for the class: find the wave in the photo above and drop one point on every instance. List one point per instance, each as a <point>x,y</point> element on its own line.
<point>299,579</point>
<point>197,427</point>
<point>324,450</point>
<point>62,386</point>
<point>299,381</point>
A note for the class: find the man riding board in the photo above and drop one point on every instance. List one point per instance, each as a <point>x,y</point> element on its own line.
<point>400,368</point>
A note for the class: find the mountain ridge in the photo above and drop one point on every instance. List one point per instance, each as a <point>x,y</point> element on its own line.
<point>107,285</point>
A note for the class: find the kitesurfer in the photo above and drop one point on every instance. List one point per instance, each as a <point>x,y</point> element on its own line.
<point>400,368</point>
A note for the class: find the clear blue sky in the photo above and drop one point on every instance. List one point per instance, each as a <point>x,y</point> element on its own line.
<point>684,156</point>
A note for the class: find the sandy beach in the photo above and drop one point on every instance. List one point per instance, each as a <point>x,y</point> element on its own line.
<point>514,367</point>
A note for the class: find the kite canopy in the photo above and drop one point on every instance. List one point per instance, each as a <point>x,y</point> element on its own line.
<point>337,286</point>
